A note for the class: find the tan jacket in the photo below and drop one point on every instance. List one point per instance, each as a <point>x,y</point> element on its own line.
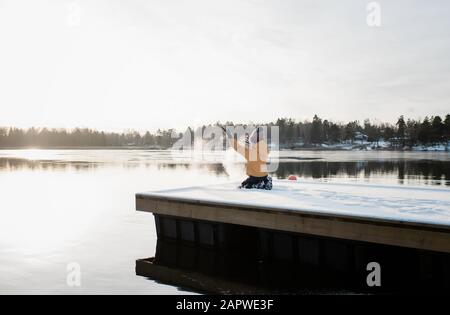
<point>256,156</point>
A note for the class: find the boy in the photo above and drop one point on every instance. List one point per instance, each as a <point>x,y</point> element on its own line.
<point>256,154</point>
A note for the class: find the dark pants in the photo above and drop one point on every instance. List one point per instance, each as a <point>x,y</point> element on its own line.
<point>264,182</point>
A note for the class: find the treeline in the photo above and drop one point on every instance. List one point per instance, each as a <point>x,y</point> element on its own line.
<point>48,138</point>
<point>406,132</point>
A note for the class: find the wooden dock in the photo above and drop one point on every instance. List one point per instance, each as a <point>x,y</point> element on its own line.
<point>334,227</point>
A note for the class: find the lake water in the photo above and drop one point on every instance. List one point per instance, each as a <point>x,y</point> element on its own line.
<point>77,206</point>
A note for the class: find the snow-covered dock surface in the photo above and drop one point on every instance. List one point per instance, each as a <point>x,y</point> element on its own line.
<point>401,204</point>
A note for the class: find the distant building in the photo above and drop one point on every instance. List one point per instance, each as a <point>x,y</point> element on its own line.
<point>359,136</point>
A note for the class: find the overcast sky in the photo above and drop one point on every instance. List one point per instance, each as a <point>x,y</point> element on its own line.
<point>146,64</point>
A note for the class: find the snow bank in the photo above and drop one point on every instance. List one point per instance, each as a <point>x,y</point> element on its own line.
<point>437,148</point>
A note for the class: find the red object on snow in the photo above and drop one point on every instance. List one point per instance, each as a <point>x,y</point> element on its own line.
<point>292,177</point>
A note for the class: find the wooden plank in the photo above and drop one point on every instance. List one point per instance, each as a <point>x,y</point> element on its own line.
<point>403,234</point>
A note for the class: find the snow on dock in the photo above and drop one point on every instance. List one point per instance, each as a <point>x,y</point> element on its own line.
<point>397,203</point>
<point>417,217</point>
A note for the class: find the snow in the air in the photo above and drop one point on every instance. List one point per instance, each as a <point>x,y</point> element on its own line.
<point>400,203</point>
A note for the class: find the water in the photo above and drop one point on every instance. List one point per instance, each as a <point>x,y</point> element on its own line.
<point>77,206</point>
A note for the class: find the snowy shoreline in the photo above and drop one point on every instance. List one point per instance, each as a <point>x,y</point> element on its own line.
<point>369,146</point>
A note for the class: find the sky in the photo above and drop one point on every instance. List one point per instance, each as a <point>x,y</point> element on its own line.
<point>149,64</point>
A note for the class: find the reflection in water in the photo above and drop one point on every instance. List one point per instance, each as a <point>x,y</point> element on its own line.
<point>436,172</point>
<point>17,164</point>
<point>207,270</point>
<point>340,268</point>
<point>212,168</point>
<point>422,170</point>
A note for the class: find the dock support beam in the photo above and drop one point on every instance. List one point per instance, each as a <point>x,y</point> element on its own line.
<point>271,258</point>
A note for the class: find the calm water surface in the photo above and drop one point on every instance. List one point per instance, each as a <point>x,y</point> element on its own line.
<point>60,207</point>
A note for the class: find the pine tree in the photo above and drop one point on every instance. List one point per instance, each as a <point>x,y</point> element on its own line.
<point>412,129</point>
<point>335,134</point>
<point>425,131</point>
<point>3,136</point>
<point>350,129</point>
<point>326,131</point>
<point>316,130</point>
<point>401,129</point>
<point>447,127</point>
<point>387,131</point>
<point>372,131</point>
<point>437,130</point>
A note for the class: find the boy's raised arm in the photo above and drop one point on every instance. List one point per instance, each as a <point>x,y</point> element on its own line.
<point>235,145</point>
